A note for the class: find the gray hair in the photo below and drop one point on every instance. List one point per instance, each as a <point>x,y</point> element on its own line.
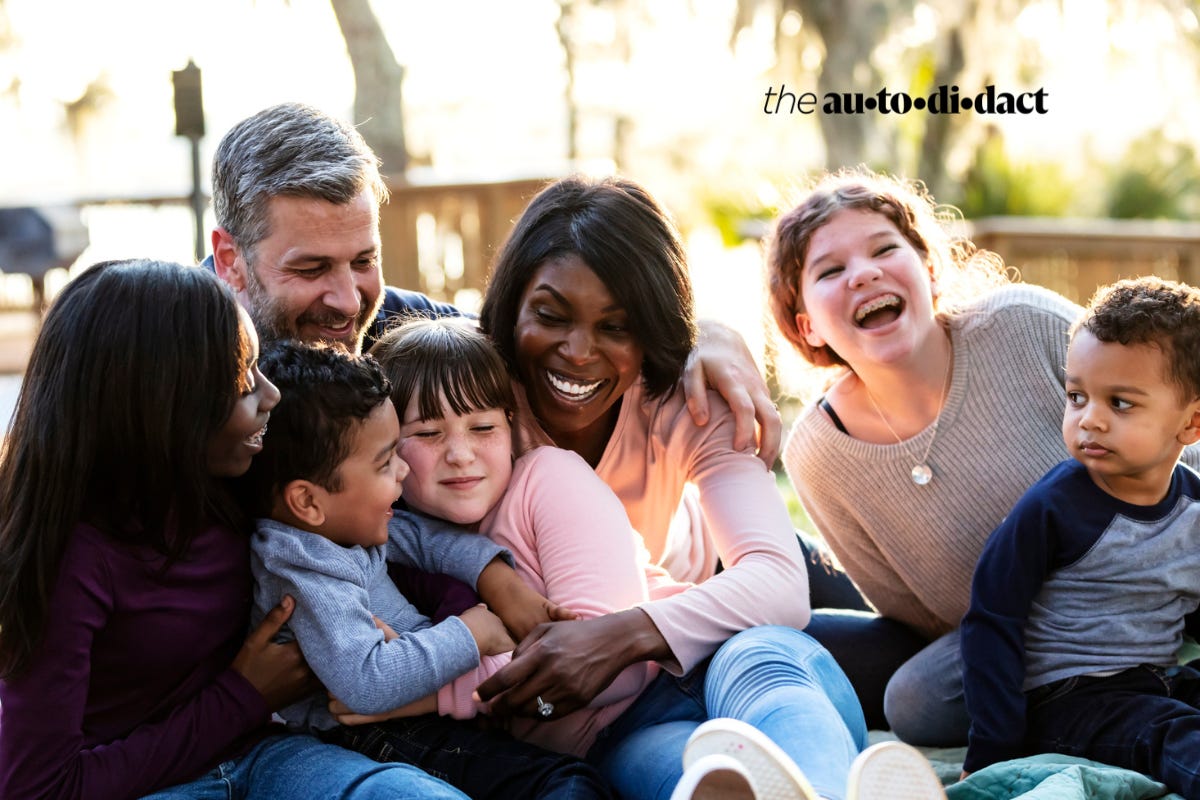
<point>289,149</point>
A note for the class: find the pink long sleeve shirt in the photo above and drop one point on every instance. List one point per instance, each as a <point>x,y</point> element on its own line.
<point>656,451</point>
<point>572,542</point>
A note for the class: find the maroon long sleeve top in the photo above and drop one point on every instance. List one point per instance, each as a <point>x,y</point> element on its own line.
<point>131,689</point>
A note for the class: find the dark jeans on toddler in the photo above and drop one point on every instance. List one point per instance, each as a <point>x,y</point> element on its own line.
<point>484,764</point>
<point>1146,719</point>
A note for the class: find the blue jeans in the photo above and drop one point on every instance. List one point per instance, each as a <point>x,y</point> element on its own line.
<point>1146,719</point>
<point>905,683</point>
<point>485,764</point>
<point>303,768</point>
<point>775,678</point>
<point>924,702</point>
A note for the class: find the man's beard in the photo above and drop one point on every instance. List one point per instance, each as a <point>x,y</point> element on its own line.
<point>273,323</point>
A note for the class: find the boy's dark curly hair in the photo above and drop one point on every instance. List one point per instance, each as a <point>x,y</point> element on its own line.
<point>1151,310</point>
<point>325,393</point>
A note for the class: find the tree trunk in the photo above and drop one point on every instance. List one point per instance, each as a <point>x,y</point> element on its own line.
<point>850,31</point>
<point>378,98</point>
<point>940,129</point>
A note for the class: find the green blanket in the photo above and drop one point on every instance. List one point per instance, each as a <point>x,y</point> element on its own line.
<point>1057,777</point>
<point>1043,777</point>
<point>1048,776</point>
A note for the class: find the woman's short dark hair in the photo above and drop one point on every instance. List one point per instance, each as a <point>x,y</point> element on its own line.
<point>624,236</point>
<point>137,365</point>
<point>448,357</point>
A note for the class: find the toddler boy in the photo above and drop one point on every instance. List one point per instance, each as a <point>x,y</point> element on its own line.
<point>1079,599</point>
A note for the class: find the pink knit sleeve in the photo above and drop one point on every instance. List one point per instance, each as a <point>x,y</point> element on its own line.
<point>572,542</point>
<point>455,699</point>
<point>764,581</point>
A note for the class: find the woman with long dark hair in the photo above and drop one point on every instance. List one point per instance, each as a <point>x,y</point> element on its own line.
<point>125,581</point>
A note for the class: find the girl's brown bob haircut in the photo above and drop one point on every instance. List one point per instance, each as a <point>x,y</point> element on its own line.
<point>448,357</point>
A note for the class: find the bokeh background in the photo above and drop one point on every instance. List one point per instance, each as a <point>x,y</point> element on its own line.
<point>473,104</point>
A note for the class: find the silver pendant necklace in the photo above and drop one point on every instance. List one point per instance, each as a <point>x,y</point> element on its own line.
<point>921,473</point>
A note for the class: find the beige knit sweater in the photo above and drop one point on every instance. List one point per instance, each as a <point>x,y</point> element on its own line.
<point>912,549</point>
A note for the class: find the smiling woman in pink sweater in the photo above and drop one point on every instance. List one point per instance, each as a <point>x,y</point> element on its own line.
<point>572,541</point>
<point>590,306</point>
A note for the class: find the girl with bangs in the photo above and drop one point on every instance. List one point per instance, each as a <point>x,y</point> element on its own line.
<point>456,404</point>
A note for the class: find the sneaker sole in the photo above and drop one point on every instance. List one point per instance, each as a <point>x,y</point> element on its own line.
<point>895,771</point>
<point>714,777</point>
<point>772,772</point>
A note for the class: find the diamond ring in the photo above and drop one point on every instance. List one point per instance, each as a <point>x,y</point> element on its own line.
<point>544,708</point>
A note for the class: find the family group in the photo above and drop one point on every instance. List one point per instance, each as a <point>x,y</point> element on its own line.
<point>272,529</point>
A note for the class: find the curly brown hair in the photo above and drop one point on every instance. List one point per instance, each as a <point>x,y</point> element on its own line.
<point>961,269</point>
<point>1150,310</point>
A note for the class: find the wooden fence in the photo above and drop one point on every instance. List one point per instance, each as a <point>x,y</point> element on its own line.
<point>440,239</point>
<point>1074,256</point>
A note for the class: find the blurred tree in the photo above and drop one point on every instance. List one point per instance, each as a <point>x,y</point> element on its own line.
<point>904,45</point>
<point>378,80</point>
<point>592,32</point>
<point>1157,178</point>
<point>995,185</point>
<point>847,33</point>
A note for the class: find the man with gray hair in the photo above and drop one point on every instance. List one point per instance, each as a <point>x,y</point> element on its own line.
<point>297,195</point>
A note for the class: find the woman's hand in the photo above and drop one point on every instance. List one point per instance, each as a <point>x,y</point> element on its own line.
<point>569,663</point>
<point>722,361</point>
<point>277,671</point>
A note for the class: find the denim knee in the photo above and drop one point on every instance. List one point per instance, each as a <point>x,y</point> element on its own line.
<point>924,702</point>
<point>765,642</point>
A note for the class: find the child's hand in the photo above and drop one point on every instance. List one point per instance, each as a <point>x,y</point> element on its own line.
<point>521,608</point>
<point>342,713</point>
<point>490,634</point>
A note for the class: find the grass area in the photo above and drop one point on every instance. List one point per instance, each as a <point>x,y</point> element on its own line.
<point>795,510</point>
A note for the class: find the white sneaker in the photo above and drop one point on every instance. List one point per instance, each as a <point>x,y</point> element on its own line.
<point>893,771</point>
<point>772,773</point>
<point>714,777</point>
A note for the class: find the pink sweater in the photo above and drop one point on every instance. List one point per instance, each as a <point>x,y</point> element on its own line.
<point>571,542</point>
<point>655,451</point>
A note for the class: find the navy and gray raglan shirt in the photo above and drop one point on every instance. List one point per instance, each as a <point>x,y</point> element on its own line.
<point>1074,582</point>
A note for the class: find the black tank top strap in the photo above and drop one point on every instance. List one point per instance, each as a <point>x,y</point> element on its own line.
<point>828,409</point>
